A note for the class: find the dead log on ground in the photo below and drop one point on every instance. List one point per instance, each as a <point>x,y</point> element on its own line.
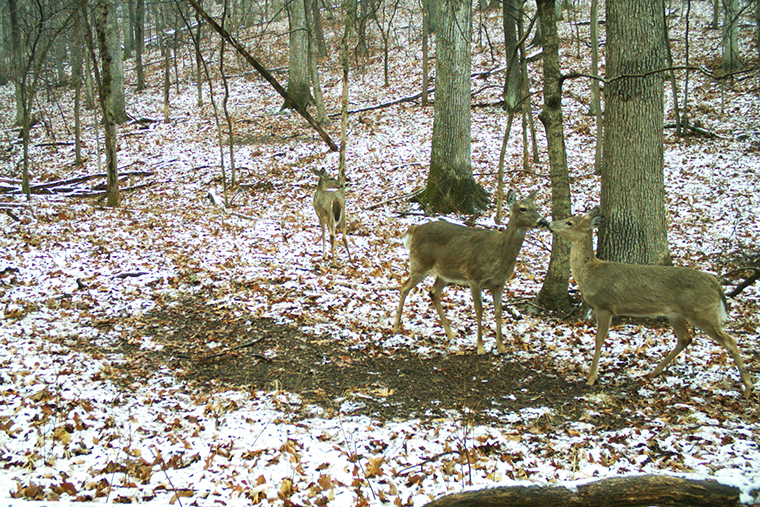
<point>636,491</point>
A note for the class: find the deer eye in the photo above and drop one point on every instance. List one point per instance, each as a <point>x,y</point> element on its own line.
<point>523,209</point>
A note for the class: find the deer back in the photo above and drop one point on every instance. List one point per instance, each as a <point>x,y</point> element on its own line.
<point>466,255</point>
<point>329,198</point>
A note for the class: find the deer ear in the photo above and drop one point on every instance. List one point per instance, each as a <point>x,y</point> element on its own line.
<point>511,198</point>
<point>532,197</point>
<point>596,221</point>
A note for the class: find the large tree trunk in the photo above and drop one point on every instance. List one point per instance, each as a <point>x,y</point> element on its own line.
<point>450,185</point>
<point>553,294</point>
<point>633,188</point>
<point>298,64</point>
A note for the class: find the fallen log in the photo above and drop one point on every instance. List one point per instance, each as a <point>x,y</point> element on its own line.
<point>635,491</point>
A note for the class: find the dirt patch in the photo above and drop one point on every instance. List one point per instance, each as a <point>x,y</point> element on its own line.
<point>386,384</point>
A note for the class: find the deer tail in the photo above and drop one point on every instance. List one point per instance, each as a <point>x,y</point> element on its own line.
<point>408,238</point>
<point>337,211</point>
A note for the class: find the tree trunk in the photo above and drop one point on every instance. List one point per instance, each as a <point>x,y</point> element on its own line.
<point>198,59</point>
<point>127,22</point>
<point>319,102</point>
<point>512,88</point>
<point>106,102</point>
<point>319,33</point>
<point>633,188</point>
<point>450,185</point>
<point>140,43</point>
<point>16,66</point>
<point>731,60</point>
<point>425,33</point>
<point>298,63</point>
<point>554,294</point>
<point>76,77</point>
<point>596,99</point>
<point>117,66</point>
<point>637,491</point>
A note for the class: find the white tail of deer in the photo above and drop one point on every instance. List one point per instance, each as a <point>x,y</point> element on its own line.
<point>612,288</point>
<point>478,258</point>
<point>330,205</point>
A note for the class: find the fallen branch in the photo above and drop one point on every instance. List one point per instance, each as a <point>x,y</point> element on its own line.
<point>637,491</point>
<point>747,281</point>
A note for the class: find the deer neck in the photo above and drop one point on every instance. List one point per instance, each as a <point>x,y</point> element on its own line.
<point>512,238</point>
<point>582,257</point>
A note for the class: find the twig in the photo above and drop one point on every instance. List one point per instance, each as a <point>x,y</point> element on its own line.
<point>405,471</point>
<point>237,347</point>
<point>409,196</point>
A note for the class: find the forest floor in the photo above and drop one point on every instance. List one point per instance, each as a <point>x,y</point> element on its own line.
<point>174,350</point>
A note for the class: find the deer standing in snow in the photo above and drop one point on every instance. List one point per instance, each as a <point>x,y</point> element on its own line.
<point>478,258</point>
<point>330,205</point>
<point>678,293</point>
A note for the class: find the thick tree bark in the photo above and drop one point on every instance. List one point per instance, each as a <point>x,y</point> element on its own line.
<point>554,294</point>
<point>450,185</point>
<point>633,188</point>
<point>298,57</point>
<point>638,491</point>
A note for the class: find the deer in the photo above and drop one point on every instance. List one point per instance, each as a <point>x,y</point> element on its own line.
<point>330,205</point>
<point>478,258</point>
<point>679,293</point>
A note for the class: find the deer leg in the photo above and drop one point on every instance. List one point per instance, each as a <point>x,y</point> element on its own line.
<point>717,333</point>
<point>334,261</point>
<point>603,319</point>
<point>413,280</point>
<point>497,294</point>
<point>678,323</point>
<point>322,229</point>
<point>477,302</point>
<point>435,294</point>
<point>345,242</point>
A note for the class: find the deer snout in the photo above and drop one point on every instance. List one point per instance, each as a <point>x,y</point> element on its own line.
<point>543,223</point>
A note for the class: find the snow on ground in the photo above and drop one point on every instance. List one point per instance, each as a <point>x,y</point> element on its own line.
<point>68,431</point>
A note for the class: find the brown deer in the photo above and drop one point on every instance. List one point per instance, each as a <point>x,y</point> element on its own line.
<point>330,205</point>
<point>479,258</point>
<point>678,293</point>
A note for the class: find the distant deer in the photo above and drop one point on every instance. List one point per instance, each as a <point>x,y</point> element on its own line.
<point>678,293</point>
<point>479,258</point>
<point>330,205</point>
